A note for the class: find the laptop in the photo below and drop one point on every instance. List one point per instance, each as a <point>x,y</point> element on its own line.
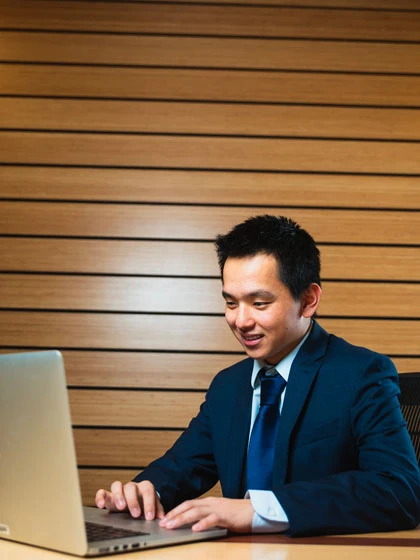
<point>40,500</point>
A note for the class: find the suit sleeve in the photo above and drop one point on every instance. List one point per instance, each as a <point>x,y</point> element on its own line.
<point>382,491</point>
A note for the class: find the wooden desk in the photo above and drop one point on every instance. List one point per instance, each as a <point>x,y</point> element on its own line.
<point>381,546</point>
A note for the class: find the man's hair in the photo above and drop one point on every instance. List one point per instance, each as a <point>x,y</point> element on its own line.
<point>294,249</point>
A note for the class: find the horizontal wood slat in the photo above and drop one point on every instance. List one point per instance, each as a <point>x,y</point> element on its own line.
<point>200,118</point>
<point>214,187</point>
<point>122,448</point>
<point>350,4</point>
<point>274,21</point>
<point>166,258</point>
<point>186,295</point>
<point>406,365</point>
<point>179,333</point>
<point>370,300</point>
<point>163,370</point>
<point>209,52</point>
<point>210,85</point>
<point>151,409</point>
<point>161,295</point>
<point>177,258</point>
<point>187,222</point>
<point>93,479</point>
<point>270,154</point>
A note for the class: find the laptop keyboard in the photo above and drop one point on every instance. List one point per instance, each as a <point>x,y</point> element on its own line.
<point>96,532</point>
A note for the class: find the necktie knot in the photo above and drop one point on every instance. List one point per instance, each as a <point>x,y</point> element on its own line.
<point>272,386</point>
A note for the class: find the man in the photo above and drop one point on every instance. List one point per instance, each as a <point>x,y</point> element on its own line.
<point>321,448</point>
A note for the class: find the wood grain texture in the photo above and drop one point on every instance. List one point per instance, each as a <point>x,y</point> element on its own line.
<point>261,21</point>
<point>351,4</point>
<point>209,52</point>
<point>122,448</point>
<point>154,370</point>
<point>407,365</point>
<point>159,258</point>
<point>202,152</point>
<point>189,258</point>
<point>133,408</point>
<point>210,85</point>
<point>215,119</point>
<point>210,187</point>
<point>191,295</point>
<point>200,223</point>
<point>114,331</point>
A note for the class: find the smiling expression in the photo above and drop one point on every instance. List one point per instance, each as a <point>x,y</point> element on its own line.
<point>260,309</point>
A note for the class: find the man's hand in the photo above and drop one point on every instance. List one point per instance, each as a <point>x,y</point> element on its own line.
<point>138,498</point>
<point>235,515</point>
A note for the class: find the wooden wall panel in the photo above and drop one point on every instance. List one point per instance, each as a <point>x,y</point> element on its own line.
<point>211,85</point>
<point>203,119</point>
<point>353,4</point>
<point>190,258</point>
<point>132,133</point>
<point>162,370</point>
<point>210,187</point>
<point>150,221</point>
<point>130,448</point>
<point>213,52</point>
<point>141,409</point>
<point>204,152</point>
<point>230,20</point>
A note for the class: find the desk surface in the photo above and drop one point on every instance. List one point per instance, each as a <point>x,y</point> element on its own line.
<point>383,546</point>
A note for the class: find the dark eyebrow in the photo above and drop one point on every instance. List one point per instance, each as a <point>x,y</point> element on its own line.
<point>261,293</point>
<point>257,293</point>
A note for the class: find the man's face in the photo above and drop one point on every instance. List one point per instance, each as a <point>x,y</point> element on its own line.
<point>260,309</point>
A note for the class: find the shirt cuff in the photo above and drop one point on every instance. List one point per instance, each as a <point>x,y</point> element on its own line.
<point>269,516</point>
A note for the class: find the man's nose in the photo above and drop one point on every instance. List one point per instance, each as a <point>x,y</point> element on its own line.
<point>243,318</point>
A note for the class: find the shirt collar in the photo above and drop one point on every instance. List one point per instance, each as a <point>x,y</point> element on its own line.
<point>283,367</point>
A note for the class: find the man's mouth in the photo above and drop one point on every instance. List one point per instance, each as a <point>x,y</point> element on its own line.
<point>251,340</point>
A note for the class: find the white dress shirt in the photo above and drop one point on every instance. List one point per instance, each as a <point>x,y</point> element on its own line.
<point>269,516</point>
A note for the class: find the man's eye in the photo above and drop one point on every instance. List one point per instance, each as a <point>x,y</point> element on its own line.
<point>260,303</point>
<point>230,304</point>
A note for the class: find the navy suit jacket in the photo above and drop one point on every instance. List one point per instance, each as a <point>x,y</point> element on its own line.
<point>344,462</point>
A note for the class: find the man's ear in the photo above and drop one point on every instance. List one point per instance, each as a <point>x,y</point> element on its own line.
<point>310,300</point>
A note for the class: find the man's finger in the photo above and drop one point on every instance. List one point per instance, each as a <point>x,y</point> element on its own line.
<point>100,498</point>
<point>210,521</point>
<point>118,495</point>
<point>132,499</point>
<point>187,512</point>
<point>149,502</point>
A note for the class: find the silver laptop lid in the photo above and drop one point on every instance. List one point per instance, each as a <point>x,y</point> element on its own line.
<point>40,495</point>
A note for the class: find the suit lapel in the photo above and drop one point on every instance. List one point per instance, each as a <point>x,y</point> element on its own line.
<point>302,376</point>
<point>239,433</point>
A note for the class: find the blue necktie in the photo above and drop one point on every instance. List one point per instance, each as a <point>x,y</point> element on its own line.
<point>260,459</point>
